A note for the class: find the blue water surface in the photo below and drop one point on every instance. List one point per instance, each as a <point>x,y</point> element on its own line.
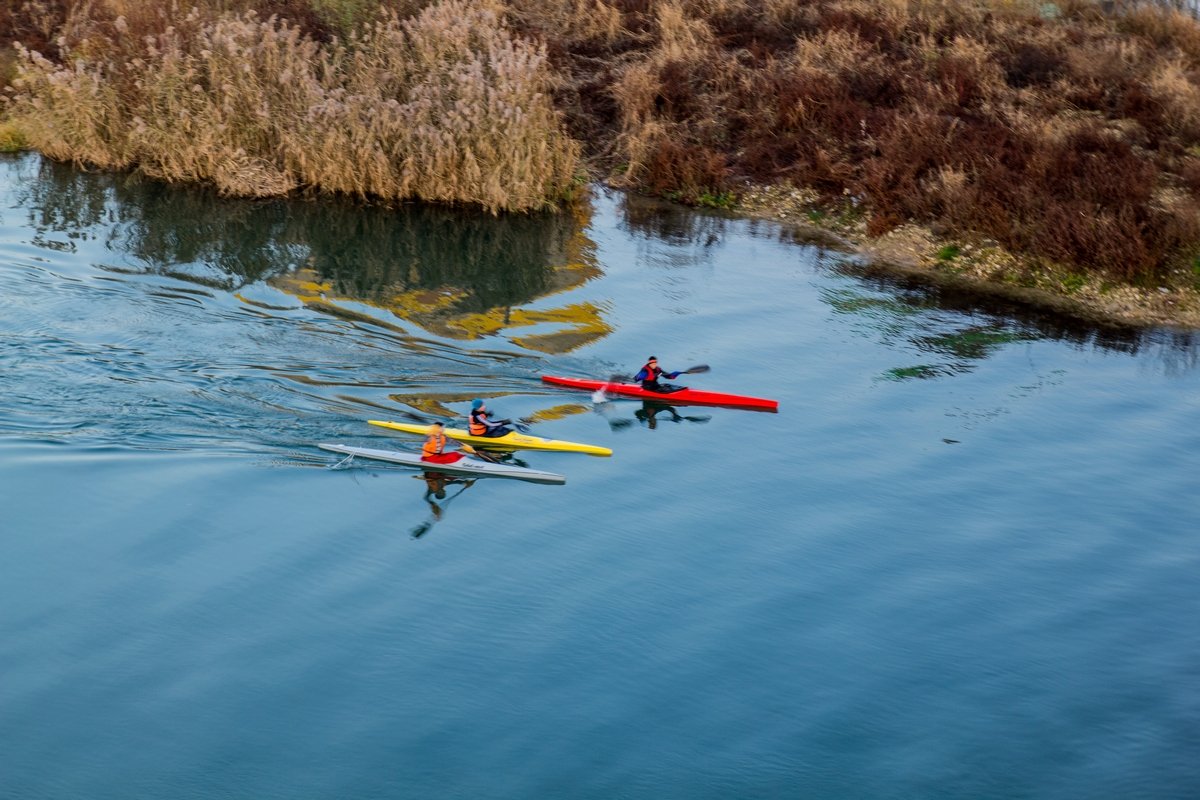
<point>963,560</point>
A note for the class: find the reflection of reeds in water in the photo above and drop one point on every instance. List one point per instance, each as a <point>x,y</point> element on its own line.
<point>455,273</point>
<point>166,228</point>
<point>439,310</point>
<point>656,219</point>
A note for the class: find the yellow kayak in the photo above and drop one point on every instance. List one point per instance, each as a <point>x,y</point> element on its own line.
<point>509,441</point>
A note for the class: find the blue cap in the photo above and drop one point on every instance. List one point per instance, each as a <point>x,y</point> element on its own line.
<point>476,405</point>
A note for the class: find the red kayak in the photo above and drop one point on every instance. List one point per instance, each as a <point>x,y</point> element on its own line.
<point>683,397</point>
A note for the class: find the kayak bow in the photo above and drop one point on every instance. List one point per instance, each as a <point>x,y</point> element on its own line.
<point>682,397</point>
<point>510,441</point>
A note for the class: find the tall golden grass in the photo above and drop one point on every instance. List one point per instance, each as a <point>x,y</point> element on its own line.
<point>447,105</point>
<point>1067,130</point>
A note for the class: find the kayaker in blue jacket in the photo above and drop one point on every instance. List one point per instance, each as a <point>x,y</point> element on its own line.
<point>649,374</point>
<point>478,423</point>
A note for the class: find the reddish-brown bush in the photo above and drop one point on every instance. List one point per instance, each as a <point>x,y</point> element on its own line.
<point>686,172</point>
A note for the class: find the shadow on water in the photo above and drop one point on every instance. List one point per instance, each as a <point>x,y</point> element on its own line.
<point>647,415</point>
<point>660,220</point>
<point>650,412</point>
<point>664,221</point>
<point>438,497</point>
<point>453,272</point>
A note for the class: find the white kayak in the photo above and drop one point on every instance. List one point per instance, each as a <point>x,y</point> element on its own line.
<point>464,466</point>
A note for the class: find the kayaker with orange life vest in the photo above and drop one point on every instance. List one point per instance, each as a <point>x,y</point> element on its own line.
<point>478,423</point>
<point>434,449</point>
<point>649,374</point>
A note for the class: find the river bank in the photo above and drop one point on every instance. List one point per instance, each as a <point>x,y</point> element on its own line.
<point>915,251</point>
<point>975,264</point>
<point>1046,152</point>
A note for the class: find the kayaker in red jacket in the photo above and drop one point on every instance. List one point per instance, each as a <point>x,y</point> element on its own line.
<point>478,423</point>
<point>434,449</point>
<point>649,374</point>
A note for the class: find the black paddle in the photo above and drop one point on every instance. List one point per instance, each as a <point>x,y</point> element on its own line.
<point>480,454</point>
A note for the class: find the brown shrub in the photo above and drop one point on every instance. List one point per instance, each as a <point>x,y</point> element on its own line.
<point>571,24</point>
<point>911,148</point>
<point>1176,93</point>
<point>1189,174</point>
<point>687,172</point>
<point>967,72</point>
<point>33,23</point>
<point>1081,195</point>
<point>1031,63</point>
<point>1165,28</point>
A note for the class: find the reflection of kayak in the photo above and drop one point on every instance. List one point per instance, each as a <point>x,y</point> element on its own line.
<point>509,441</point>
<point>464,466</point>
<point>681,397</point>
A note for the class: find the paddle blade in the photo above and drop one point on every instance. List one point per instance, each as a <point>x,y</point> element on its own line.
<point>696,369</point>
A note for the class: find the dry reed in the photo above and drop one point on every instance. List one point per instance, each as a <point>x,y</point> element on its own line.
<point>446,106</point>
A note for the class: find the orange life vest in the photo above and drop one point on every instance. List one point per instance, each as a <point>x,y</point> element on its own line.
<point>434,445</point>
<point>477,425</point>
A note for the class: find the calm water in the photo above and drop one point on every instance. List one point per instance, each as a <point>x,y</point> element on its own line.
<point>962,561</point>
